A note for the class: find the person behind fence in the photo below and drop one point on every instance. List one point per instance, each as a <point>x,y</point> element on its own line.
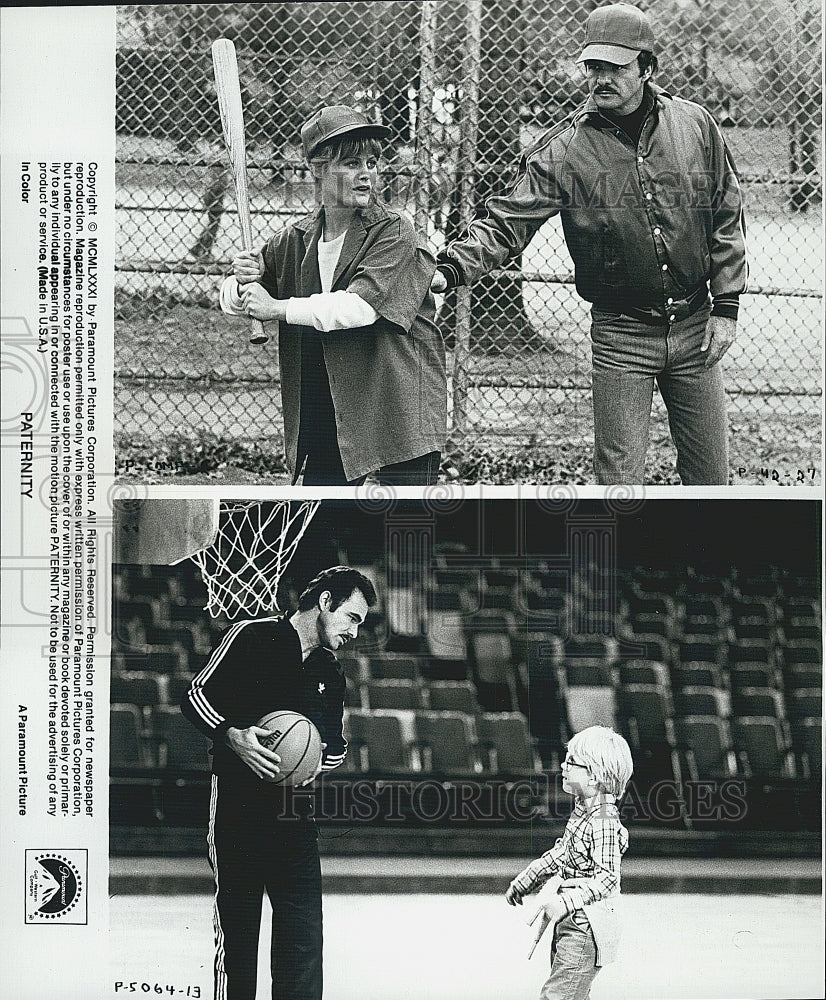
<point>583,866</point>
<point>363,376</point>
<point>262,836</point>
<point>651,211</point>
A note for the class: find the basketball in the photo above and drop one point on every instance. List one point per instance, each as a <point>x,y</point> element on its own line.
<point>296,741</point>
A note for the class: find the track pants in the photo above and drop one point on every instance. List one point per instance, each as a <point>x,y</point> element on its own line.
<point>250,855</point>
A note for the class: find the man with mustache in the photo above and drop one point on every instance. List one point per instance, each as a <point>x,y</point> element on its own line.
<point>652,215</point>
<point>262,835</point>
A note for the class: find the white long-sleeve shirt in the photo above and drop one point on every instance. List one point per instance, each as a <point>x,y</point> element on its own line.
<point>325,310</point>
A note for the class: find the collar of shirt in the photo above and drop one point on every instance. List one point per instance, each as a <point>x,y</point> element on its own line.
<point>370,216</point>
<point>651,95</point>
<point>602,800</point>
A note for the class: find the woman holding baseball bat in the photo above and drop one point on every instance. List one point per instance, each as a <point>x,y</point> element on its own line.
<point>363,377</point>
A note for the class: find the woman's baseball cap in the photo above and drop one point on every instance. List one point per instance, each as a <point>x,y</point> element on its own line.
<point>616,34</point>
<point>338,119</point>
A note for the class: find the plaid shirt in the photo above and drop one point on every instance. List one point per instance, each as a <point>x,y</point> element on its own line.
<point>590,851</point>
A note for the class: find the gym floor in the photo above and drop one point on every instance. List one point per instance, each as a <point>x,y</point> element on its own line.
<point>452,947</point>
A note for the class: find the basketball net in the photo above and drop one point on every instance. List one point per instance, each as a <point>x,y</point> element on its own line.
<point>255,542</point>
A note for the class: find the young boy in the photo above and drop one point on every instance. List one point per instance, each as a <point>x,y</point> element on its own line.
<point>363,378</point>
<point>586,858</point>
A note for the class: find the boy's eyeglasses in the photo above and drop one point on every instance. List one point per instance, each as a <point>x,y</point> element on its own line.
<point>570,762</point>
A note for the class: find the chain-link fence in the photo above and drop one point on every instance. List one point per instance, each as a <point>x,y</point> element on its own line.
<point>464,86</point>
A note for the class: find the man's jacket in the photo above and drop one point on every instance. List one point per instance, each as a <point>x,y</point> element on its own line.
<point>645,226</point>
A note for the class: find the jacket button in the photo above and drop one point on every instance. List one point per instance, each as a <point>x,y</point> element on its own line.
<point>649,196</point>
<point>657,231</point>
<point>665,267</point>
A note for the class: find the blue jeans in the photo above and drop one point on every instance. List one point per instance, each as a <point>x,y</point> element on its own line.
<point>573,960</point>
<point>628,357</point>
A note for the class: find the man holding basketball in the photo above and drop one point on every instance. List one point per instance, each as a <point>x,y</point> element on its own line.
<point>261,834</point>
<point>652,215</point>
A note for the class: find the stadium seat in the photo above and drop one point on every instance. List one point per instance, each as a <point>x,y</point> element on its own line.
<point>802,675</point>
<point>762,745</point>
<point>694,649</point>
<point>392,666</point>
<point>701,585</point>
<point>803,630</point>
<point>404,619</point>
<point>180,745</point>
<point>381,740</point>
<point>140,687</point>
<point>489,620</point>
<point>446,598</point>
<point>546,604</point>
<point>706,700</point>
<point>144,609</point>
<point>751,651</point>
<point>705,741</point>
<point>587,672</point>
<point>655,624</point>
<point>805,703</point>
<point>453,696</point>
<point>590,705</point>
<point>704,606</point>
<point>759,585</point>
<point>539,696</point>
<point>163,660</point>
<point>588,647</point>
<point>803,652</point>
<point>646,646</point>
<point>498,599</point>
<point>126,746</point>
<point>354,695</point>
<point>744,675</point>
<point>177,686</point>
<point>447,742</point>
<point>505,743</point>
<point>644,672</point>
<point>500,576</point>
<point>757,632</point>
<point>710,629</point>
<point>491,656</point>
<point>751,701</point>
<point>393,693</point>
<point>696,675</point>
<point>808,741</point>
<point>446,646</point>
<point>171,636</point>
<point>753,610</point>
<point>646,711</point>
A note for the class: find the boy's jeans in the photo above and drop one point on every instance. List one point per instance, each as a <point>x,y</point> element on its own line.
<point>628,357</point>
<point>573,960</point>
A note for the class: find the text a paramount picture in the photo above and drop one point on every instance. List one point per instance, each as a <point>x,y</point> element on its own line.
<point>56,289</point>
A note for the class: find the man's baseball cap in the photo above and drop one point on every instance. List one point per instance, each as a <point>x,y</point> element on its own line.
<point>616,34</point>
<point>336,120</point>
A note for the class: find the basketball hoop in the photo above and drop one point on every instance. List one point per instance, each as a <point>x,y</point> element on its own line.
<point>254,543</point>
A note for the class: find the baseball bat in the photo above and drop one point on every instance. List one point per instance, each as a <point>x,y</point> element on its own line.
<point>228,90</point>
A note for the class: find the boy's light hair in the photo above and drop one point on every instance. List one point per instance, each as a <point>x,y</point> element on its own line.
<point>607,756</point>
